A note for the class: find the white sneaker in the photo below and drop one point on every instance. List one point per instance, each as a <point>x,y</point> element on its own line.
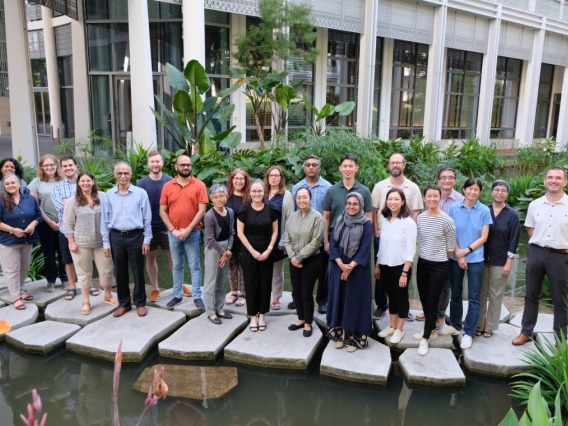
<point>433,335</point>
<point>396,337</point>
<point>386,332</point>
<point>423,348</point>
<point>418,336</point>
<point>467,341</point>
<point>449,331</point>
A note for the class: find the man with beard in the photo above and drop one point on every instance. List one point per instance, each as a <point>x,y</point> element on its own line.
<point>396,164</point>
<point>182,207</point>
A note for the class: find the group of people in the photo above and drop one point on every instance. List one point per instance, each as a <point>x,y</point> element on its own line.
<point>326,231</point>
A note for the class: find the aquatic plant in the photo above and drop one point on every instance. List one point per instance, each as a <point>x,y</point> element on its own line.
<point>537,412</point>
<point>158,389</point>
<point>35,416</point>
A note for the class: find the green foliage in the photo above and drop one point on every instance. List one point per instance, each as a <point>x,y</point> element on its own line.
<point>537,413</point>
<point>37,264</point>
<point>476,160</point>
<point>322,116</point>
<point>537,156</point>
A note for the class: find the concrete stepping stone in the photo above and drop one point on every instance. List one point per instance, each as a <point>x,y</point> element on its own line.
<point>410,328</point>
<point>18,319</point>
<point>36,289</point>
<point>497,356</point>
<point>2,304</point>
<point>438,368</point>
<point>504,317</point>
<point>369,365</point>
<point>70,310</point>
<point>41,337</point>
<point>277,347</point>
<point>544,323</point>
<point>186,306</point>
<point>284,310</point>
<point>138,334</point>
<point>544,340</point>
<point>319,319</point>
<point>188,342</point>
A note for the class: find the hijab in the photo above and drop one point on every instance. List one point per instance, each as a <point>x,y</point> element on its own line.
<point>353,225</point>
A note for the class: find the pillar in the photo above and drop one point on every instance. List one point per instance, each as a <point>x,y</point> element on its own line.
<point>52,73</point>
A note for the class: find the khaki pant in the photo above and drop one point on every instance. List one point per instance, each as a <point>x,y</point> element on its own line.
<point>15,263</point>
<point>492,291</point>
<point>84,266</point>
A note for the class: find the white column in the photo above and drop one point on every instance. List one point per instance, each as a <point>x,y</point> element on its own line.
<point>22,111</point>
<point>239,118</point>
<point>386,89</point>
<point>320,80</point>
<point>367,53</point>
<point>529,91</point>
<point>143,121</point>
<point>434,104</point>
<point>193,12</point>
<point>488,74</point>
<point>81,104</point>
<point>52,74</point>
<point>562,131</point>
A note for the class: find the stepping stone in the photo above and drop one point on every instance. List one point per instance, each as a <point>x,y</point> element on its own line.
<point>410,328</point>
<point>41,337</point>
<point>497,356</point>
<point>546,339</point>
<point>186,306</point>
<point>138,334</point>
<point>544,323</point>
<point>319,319</point>
<point>36,289</point>
<point>438,368</point>
<point>369,365</point>
<point>277,347</point>
<point>504,317</point>
<point>284,301</point>
<point>188,342</point>
<point>18,319</point>
<point>70,310</point>
<point>2,304</point>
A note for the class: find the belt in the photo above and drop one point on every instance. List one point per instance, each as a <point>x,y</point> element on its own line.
<point>552,250</point>
<point>128,231</point>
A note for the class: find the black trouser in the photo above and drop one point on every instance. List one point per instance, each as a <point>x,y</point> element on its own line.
<point>258,283</point>
<point>380,289</point>
<point>398,296</point>
<point>430,278</point>
<point>51,252</point>
<point>321,294</point>
<point>303,281</point>
<point>126,249</point>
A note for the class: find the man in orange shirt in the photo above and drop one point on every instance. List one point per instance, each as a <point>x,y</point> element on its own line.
<point>182,207</point>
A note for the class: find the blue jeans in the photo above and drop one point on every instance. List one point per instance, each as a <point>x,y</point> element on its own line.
<point>474,280</point>
<point>189,247</point>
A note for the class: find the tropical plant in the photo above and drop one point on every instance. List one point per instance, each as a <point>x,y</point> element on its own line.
<point>37,264</point>
<point>475,159</point>
<point>328,114</point>
<point>537,412</point>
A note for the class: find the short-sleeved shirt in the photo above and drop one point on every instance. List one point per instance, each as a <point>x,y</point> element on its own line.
<point>335,199</point>
<point>446,203</point>
<point>411,192</point>
<point>469,225</point>
<point>183,201</point>
<point>550,222</point>
<point>154,189</point>
<point>43,189</point>
<point>258,225</point>
<point>318,190</point>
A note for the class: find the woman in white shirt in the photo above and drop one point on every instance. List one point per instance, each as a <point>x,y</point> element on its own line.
<point>397,248</point>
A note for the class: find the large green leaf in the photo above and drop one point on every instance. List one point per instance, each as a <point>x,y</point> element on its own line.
<point>229,90</point>
<point>510,419</point>
<point>176,78</point>
<point>209,104</point>
<point>325,111</point>
<point>197,77</point>
<point>344,108</point>
<point>231,141</point>
<point>182,102</point>
<point>225,112</point>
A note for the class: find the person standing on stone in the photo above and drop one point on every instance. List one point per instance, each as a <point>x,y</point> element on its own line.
<point>153,184</point>
<point>394,261</point>
<point>182,207</point>
<point>19,217</point>
<point>257,228</point>
<point>48,174</point>
<point>82,227</point>
<point>60,193</point>
<point>280,200</point>
<point>547,226</point>
<point>218,237</point>
<point>318,187</point>
<point>499,251</point>
<point>126,228</point>
<point>396,164</point>
<point>303,242</point>
<point>349,299</point>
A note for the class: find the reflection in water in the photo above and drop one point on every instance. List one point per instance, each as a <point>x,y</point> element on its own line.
<point>78,391</point>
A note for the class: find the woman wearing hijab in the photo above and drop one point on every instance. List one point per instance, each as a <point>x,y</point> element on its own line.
<point>349,297</point>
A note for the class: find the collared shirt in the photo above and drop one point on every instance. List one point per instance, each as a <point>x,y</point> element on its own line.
<point>469,225</point>
<point>183,201</point>
<point>20,217</point>
<point>126,211</point>
<point>503,236</point>
<point>398,242</point>
<point>446,203</point>
<point>318,190</point>
<point>60,193</point>
<point>335,199</point>
<point>411,192</point>
<point>550,222</point>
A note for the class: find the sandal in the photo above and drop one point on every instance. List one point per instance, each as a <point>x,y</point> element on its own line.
<point>71,293</point>
<point>487,334</point>
<point>19,305</point>
<point>27,297</point>
<point>231,299</point>
<point>86,308</point>
<point>241,300</point>
<point>94,291</point>
<point>254,328</point>
<point>111,300</point>
<point>479,332</point>
<point>276,305</point>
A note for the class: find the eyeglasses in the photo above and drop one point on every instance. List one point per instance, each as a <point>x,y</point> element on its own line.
<point>396,163</point>
<point>355,204</point>
<point>218,197</point>
<point>446,177</point>
<point>123,173</point>
<point>500,190</point>
<point>49,166</point>
<point>314,165</point>
<point>185,165</point>
<point>238,178</point>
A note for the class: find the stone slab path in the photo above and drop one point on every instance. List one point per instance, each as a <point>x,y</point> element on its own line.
<point>284,301</point>
<point>70,310</point>
<point>277,347</point>
<point>186,306</point>
<point>41,337</point>
<point>200,339</point>
<point>438,368</point>
<point>504,317</point>
<point>36,289</point>
<point>18,319</point>
<point>138,334</point>
<point>544,323</point>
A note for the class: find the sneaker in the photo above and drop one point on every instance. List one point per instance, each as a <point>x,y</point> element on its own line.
<point>292,305</point>
<point>154,295</point>
<point>410,317</point>
<point>174,302</point>
<point>423,348</point>
<point>396,337</point>
<point>379,313</point>
<point>420,336</point>
<point>467,341</point>
<point>50,287</point>
<point>386,332</point>
<point>65,285</point>
<point>186,289</point>
<point>199,304</point>
<point>449,331</point>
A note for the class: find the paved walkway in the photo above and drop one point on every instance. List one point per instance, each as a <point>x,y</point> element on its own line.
<point>46,146</point>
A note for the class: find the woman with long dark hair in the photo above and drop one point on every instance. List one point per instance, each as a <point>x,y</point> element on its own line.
<point>12,166</point>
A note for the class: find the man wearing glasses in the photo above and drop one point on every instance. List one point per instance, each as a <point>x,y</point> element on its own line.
<point>396,164</point>
<point>318,187</point>
<point>182,207</point>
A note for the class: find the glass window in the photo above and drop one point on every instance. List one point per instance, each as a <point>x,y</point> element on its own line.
<point>461,101</point>
<point>166,45</point>
<point>106,9</point>
<point>543,100</point>
<point>506,98</point>
<point>65,69</point>
<point>39,73</point>
<point>67,115</point>
<point>162,10</point>
<point>108,47</point>
<point>101,118</point>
